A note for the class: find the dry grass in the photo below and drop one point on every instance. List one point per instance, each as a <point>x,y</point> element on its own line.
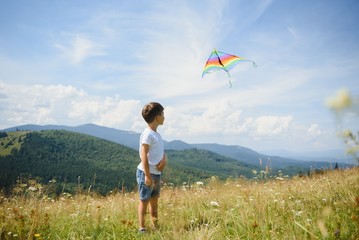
<point>319,207</point>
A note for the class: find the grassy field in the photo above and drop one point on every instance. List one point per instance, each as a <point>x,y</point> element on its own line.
<point>323,206</point>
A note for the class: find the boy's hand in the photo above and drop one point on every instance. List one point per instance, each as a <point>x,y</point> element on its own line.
<point>148,181</point>
<point>161,165</point>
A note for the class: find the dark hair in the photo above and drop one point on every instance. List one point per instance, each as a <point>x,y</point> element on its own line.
<point>151,110</point>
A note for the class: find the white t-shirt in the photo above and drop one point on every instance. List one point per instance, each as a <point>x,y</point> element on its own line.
<point>156,151</point>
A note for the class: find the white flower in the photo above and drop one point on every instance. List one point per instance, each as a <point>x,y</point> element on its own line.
<point>214,203</point>
<point>298,213</point>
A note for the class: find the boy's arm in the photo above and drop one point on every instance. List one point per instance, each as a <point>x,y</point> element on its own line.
<point>161,165</point>
<point>146,168</point>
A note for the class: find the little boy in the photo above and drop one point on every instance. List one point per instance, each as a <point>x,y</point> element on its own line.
<point>153,161</point>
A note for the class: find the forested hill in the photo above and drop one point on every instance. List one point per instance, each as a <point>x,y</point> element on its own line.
<point>78,160</point>
<point>67,157</point>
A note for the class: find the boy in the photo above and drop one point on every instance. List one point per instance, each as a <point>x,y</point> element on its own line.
<point>153,161</point>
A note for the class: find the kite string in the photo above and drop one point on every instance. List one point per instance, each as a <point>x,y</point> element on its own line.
<point>229,78</point>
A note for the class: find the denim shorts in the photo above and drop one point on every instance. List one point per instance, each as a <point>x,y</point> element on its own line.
<point>148,192</point>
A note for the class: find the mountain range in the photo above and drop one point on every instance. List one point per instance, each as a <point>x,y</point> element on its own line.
<point>242,154</point>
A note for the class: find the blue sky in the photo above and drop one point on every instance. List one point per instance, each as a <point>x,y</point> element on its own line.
<point>77,62</point>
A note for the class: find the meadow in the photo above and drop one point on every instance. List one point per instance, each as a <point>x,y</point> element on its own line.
<point>320,206</point>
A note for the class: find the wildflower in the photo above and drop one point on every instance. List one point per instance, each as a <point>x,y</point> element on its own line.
<point>299,213</point>
<point>341,101</point>
<point>214,178</point>
<point>214,203</point>
<point>346,133</point>
<point>199,183</point>
<point>36,235</point>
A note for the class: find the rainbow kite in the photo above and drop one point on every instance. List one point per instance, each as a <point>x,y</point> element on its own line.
<point>222,61</point>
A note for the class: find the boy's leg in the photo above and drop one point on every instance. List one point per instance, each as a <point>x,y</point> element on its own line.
<point>145,195</point>
<point>142,208</point>
<point>154,211</point>
<point>154,199</point>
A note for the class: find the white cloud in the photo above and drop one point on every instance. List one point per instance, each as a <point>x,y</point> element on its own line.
<point>223,118</point>
<point>112,112</point>
<point>272,125</point>
<point>59,104</point>
<point>36,104</point>
<point>314,130</point>
<point>79,48</point>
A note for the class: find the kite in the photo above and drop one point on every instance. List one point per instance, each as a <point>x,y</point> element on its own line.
<point>222,61</point>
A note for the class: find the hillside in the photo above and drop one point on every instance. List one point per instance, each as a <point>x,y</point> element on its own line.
<point>72,159</point>
<point>77,160</point>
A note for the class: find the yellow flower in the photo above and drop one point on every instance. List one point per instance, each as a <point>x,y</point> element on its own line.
<point>340,101</point>
<point>36,235</point>
<point>347,133</point>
